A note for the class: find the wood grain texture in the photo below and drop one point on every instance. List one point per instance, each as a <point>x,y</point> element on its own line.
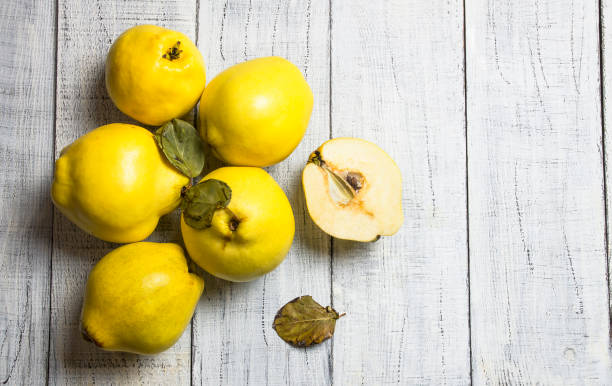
<point>397,80</point>
<point>27,66</point>
<point>86,31</point>
<point>539,306</point>
<point>391,72</point>
<point>233,339</point>
<point>606,79</point>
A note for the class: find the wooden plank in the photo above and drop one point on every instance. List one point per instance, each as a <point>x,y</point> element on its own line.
<point>606,74</point>
<point>397,80</point>
<point>86,31</point>
<point>539,307</point>
<point>233,339</point>
<point>27,39</point>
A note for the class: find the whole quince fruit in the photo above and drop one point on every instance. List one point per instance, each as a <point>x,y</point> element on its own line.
<point>139,298</point>
<point>256,113</point>
<point>154,74</point>
<point>115,183</point>
<point>237,223</point>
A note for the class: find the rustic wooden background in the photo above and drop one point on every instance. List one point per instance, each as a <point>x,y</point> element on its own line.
<point>495,112</point>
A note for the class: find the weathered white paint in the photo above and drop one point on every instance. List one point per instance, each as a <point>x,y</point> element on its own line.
<point>233,339</point>
<point>27,68</point>
<point>539,301</point>
<point>397,80</point>
<point>606,66</point>
<point>86,31</point>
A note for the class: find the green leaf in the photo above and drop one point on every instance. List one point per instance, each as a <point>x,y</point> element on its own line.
<point>303,322</point>
<point>202,200</point>
<point>181,144</point>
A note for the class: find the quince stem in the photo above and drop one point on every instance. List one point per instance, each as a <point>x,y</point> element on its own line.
<point>234,221</point>
<point>186,188</point>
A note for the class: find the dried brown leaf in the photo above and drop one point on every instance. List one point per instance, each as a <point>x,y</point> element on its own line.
<point>303,322</point>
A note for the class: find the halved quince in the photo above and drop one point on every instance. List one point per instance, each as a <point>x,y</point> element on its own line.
<point>353,190</point>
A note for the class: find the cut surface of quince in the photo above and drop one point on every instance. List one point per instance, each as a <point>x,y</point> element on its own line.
<point>353,190</point>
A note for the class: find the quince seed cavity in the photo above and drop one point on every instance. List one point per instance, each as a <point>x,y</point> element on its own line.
<point>356,180</point>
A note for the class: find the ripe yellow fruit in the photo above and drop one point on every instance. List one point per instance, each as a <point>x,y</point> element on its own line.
<point>256,113</point>
<point>249,238</point>
<point>154,74</point>
<point>353,190</point>
<point>115,183</point>
<point>139,298</point>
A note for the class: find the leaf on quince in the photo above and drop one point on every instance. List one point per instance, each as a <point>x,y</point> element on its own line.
<point>303,322</point>
<point>181,144</point>
<point>202,200</point>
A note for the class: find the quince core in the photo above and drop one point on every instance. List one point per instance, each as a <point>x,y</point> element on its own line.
<point>353,190</point>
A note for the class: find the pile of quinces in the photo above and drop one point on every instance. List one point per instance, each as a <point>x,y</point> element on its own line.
<point>116,181</point>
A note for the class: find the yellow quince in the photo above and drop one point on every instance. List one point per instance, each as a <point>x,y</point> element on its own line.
<point>237,223</point>
<point>115,183</point>
<point>256,113</point>
<point>139,298</point>
<point>154,74</point>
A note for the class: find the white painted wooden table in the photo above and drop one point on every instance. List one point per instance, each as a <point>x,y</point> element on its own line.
<point>495,112</point>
